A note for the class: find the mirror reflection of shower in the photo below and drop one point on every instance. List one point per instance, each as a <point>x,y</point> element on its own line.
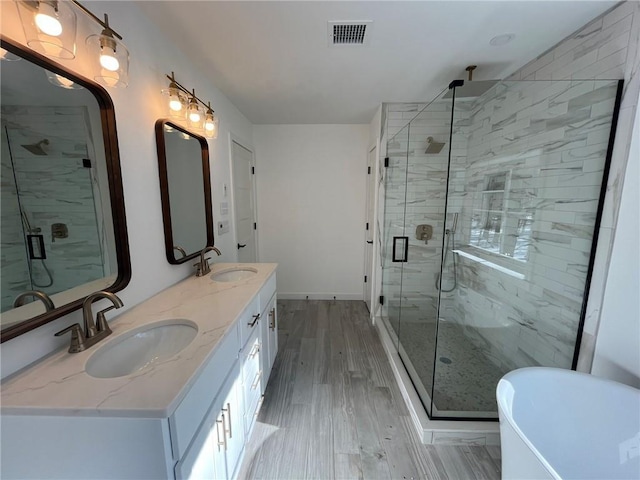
<point>448,254</point>
<point>45,279</point>
<point>38,148</point>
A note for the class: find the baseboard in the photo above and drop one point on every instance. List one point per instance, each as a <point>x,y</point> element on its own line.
<point>320,296</point>
<point>450,432</point>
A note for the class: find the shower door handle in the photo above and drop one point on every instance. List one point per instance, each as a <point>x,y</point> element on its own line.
<point>400,249</point>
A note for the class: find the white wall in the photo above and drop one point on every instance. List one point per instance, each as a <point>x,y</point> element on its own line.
<point>137,108</point>
<point>617,354</point>
<point>311,182</point>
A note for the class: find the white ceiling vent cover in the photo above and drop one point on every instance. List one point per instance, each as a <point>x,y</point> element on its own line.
<point>349,33</point>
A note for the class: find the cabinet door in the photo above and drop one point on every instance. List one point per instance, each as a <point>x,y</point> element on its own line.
<point>205,458</point>
<point>232,423</point>
<point>218,444</point>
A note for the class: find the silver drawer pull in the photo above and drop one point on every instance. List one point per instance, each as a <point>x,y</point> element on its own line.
<point>272,323</point>
<point>259,406</point>
<point>228,410</point>
<point>255,350</point>
<point>255,320</point>
<point>224,438</point>
<point>257,380</point>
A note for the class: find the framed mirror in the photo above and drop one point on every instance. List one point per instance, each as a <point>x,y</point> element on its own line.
<point>185,189</point>
<point>64,231</point>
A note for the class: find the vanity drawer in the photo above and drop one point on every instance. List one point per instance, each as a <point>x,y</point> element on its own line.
<point>251,355</point>
<point>248,323</point>
<point>252,413</point>
<point>188,416</point>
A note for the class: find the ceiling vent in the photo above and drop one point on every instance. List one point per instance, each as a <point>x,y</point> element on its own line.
<point>349,33</point>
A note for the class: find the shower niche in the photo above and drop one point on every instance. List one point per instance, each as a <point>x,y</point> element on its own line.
<point>509,177</point>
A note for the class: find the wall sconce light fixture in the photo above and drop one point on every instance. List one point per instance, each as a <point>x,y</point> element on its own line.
<point>110,57</point>
<point>210,123</point>
<point>177,99</point>
<point>50,28</point>
<point>185,105</point>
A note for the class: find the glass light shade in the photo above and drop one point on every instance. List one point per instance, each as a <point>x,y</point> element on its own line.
<point>49,27</point>
<point>211,125</point>
<point>176,102</point>
<point>195,115</point>
<point>62,81</point>
<point>110,60</point>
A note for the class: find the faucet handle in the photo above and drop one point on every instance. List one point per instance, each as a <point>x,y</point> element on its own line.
<point>77,337</point>
<point>102,324</point>
<point>198,269</point>
<point>202,268</point>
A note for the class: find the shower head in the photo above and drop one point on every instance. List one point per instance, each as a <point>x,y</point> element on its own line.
<point>37,148</point>
<point>433,147</point>
<point>471,88</point>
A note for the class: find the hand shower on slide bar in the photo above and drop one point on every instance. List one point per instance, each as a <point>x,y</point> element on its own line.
<point>450,239</point>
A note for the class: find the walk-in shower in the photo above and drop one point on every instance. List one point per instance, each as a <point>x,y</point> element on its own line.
<point>513,202</point>
<point>50,238</point>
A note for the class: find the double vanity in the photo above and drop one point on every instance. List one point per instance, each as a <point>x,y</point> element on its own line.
<point>173,392</point>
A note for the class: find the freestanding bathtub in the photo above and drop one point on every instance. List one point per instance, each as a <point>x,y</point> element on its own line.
<point>561,424</point>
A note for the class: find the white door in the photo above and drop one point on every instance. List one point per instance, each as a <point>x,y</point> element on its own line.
<point>369,227</point>
<point>244,202</point>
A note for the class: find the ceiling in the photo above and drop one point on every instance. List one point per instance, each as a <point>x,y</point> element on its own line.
<point>273,59</point>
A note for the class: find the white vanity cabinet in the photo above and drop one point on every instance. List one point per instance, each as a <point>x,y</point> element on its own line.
<point>255,366</point>
<point>200,436</point>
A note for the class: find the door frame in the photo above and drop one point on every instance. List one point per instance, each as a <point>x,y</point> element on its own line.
<point>246,145</point>
<point>372,189</point>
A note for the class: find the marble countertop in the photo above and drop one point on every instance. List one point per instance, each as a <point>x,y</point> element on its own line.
<point>59,385</point>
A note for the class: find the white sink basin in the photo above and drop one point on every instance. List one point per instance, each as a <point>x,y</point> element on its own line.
<point>141,348</point>
<point>234,274</point>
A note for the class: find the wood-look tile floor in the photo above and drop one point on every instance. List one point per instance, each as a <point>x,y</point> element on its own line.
<point>332,408</point>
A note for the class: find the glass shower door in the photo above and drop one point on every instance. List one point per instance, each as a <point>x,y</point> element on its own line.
<point>427,163</point>
<point>395,185</point>
<point>527,167</point>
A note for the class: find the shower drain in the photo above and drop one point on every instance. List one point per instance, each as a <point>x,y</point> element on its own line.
<point>445,360</point>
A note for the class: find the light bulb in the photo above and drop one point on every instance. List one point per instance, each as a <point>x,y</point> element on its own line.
<point>194,115</point>
<point>174,102</point>
<point>47,20</point>
<point>108,59</point>
<point>209,122</point>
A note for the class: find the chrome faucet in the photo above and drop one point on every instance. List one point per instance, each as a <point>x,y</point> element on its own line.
<point>92,333</point>
<point>22,298</point>
<point>202,267</point>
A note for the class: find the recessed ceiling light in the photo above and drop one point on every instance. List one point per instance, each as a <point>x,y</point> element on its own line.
<point>502,39</point>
